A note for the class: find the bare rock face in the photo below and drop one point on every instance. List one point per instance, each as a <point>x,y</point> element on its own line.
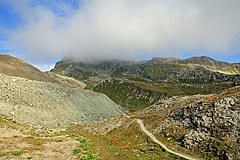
<point>212,129</point>
<point>44,103</point>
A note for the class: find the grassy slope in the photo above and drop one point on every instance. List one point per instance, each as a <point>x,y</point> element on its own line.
<point>127,144</point>
<point>124,92</point>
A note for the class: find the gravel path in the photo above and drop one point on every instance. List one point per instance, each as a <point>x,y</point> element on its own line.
<point>140,122</point>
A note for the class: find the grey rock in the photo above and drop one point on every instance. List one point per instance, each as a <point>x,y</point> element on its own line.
<point>45,103</point>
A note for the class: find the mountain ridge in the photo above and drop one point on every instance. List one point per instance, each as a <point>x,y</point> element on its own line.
<point>136,85</point>
<point>13,66</point>
<point>110,67</point>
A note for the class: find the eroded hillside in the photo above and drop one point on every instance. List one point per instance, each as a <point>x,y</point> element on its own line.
<point>44,103</point>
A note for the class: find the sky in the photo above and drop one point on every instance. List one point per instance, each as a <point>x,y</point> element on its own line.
<point>44,31</point>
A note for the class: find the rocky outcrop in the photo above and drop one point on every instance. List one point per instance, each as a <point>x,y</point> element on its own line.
<point>85,69</point>
<point>212,129</point>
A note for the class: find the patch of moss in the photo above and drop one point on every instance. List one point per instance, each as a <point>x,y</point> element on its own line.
<point>16,153</point>
<point>38,143</point>
<point>2,154</point>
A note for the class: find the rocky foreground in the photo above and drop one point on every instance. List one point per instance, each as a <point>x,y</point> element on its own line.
<point>23,142</point>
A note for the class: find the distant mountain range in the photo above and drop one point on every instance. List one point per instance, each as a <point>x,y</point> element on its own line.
<point>141,83</point>
<point>196,69</point>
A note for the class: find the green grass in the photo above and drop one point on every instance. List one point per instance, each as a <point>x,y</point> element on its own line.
<point>229,70</point>
<point>16,153</point>
<point>2,154</point>
<point>77,151</point>
<point>129,144</point>
<point>85,150</point>
<point>38,143</point>
<point>136,95</point>
<point>30,137</point>
<point>127,95</point>
<point>59,140</point>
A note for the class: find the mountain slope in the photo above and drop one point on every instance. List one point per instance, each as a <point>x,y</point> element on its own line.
<point>46,103</point>
<point>214,65</point>
<point>16,67</point>
<point>204,126</point>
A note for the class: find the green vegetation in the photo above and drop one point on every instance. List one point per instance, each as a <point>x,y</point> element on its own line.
<point>216,149</point>
<point>128,95</point>
<point>16,153</point>
<point>162,71</point>
<point>30,137</point>
<point>77,151</point>
<point>2,154</point>
<point>128,143</point>
<point>85,150</point>
<point>135,95</point>
<point>59,140</point>
<point>37,143</point>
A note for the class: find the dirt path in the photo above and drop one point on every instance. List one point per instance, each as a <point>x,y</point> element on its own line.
<point>140,122</point>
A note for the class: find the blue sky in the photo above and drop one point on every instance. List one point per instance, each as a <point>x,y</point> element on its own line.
<point>42,31</point>
<point>9,18</point>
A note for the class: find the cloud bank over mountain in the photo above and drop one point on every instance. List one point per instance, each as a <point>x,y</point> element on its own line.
<point>126,28</point>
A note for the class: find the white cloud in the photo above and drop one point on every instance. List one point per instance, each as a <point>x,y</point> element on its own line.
<point>44,67</point>
<point>131,28</point>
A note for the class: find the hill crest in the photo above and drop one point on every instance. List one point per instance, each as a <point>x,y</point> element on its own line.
<point>13,66</point>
